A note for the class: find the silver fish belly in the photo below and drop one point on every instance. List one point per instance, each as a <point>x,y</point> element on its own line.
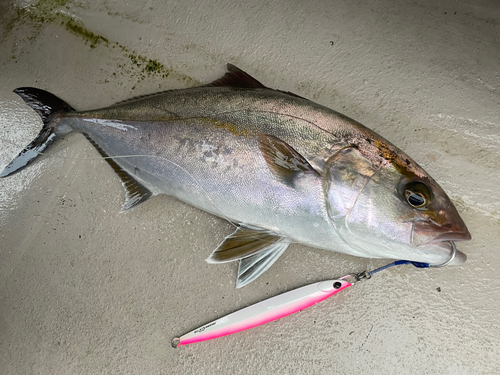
<point>280,167</point>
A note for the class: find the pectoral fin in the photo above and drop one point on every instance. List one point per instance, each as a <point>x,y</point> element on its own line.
<point>244,242</point>
<point>255,265</point>
<point>282,159</point>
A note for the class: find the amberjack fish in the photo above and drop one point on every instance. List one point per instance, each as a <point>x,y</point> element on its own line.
<point>280,167</point>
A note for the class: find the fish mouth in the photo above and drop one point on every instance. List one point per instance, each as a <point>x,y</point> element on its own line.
<point>430,233</point>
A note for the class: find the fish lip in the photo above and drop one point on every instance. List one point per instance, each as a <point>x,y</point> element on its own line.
<point>452,236</point>
<point>456,231</point>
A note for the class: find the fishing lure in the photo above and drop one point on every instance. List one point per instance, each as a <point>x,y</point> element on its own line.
<point>284,304</point>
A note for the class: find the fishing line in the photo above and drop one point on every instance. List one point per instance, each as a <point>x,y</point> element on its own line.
<point>369,274</point>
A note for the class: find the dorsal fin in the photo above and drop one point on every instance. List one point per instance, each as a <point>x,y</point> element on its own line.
<point>135,192</point>
<point>235,77</point>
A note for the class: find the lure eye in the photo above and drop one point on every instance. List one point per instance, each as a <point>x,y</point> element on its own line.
<point>417,194</point>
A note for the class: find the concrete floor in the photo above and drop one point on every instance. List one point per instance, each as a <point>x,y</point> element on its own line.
<point>86,290</point>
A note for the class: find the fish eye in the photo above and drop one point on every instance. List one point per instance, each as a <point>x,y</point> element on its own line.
<point>417,194</point>
<point>415,199</point>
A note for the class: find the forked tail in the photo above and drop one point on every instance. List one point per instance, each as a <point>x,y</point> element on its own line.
<point>47,106</point>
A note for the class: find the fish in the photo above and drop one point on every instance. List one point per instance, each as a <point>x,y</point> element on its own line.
<point>279,167</point>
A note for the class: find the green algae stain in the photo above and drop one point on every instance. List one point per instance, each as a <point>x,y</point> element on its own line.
<point>77,28</point>
<point>148,66</point>
<point>56,11</point>
<point>46,11</point>
<point>154,66</point>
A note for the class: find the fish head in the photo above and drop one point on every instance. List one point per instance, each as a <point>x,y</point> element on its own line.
<point>433,215</point>
<point>383,210</point>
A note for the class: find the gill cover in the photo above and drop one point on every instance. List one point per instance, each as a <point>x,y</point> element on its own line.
<point>363,205</point>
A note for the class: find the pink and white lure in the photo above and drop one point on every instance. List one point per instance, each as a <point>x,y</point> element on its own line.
<point>265,311</point>
<point>285,304</point>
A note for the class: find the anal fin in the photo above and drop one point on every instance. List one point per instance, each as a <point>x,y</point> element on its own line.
<point>135,192</point>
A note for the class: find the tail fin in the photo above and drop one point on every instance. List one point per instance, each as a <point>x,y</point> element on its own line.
<point>46,105</point>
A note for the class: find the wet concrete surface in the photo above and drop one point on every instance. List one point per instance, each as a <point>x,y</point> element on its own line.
<point>85,289</point>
